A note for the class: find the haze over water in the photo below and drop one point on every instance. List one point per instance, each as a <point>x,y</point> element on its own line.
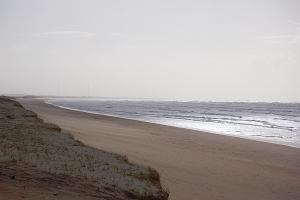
<point>270,122</point>
<point>234,50</point>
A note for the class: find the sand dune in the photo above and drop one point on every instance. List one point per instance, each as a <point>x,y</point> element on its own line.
<point>38,161</point>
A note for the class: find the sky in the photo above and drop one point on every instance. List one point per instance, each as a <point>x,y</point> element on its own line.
<point>220,50</point>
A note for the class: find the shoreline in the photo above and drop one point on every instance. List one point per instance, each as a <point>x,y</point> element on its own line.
<point>193,164</point>
<point>211,132</point>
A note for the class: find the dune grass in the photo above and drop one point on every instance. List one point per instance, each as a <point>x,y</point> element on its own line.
<point>25,139</point>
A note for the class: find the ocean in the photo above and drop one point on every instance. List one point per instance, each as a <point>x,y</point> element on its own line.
<point>269,122</point>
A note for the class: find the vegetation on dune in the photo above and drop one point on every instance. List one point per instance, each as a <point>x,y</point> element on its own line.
<point>26,140</point>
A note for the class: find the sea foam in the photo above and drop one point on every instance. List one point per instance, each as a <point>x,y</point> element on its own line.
<point>270,122</point>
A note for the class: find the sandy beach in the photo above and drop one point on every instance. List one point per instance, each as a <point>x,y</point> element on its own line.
<point>192,164</point>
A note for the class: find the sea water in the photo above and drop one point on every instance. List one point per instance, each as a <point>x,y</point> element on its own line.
<point>270,122</point>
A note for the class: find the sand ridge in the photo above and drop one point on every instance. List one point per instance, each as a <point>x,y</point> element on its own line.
<point>38,161</point>
<point>193,164</point>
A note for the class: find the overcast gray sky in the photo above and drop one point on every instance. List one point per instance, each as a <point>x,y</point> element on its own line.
<point>238,50</point>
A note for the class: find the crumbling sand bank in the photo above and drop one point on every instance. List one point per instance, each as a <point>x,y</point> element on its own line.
<point>37,160</point>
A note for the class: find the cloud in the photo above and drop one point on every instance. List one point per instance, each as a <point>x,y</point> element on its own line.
<point>74,34</point>
<point>291,39</point>
<point>275,39</point>
<point>296,39</point>
<point>116,34</point>
<point>270,60</point>
<point>294,23</point>
<point>133,47</point>
<point>19,48</point>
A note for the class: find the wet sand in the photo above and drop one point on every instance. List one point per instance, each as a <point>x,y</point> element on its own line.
<point>193,164</point>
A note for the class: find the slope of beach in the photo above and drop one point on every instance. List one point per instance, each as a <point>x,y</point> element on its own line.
<point>193,164</point>
<point>38,161</point>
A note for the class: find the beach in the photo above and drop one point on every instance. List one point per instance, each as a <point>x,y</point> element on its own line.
<point>192,164</point>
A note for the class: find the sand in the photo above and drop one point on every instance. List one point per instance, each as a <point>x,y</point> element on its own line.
<point>38,161</point>
<point>193,164</point>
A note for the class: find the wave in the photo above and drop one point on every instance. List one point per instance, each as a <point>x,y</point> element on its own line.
<point>273,122</point>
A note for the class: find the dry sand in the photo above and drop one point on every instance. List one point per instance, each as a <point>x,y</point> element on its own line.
<point>193,164</point>
<point>38,161</point>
